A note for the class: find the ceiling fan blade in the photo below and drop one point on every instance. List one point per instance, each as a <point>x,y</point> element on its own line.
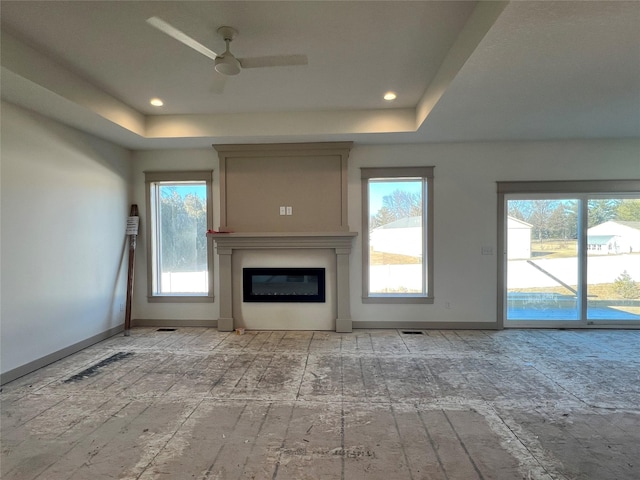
<point>274,61</point>
<point>182,37</point>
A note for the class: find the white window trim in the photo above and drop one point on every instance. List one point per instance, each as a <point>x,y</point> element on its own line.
<point>398,172</point>
<point>179,176</point>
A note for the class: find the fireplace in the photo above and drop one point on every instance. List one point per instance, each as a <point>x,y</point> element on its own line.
<point>283,285</point>
<point>241,250</point>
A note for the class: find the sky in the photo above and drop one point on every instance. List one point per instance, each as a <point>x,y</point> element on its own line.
<point>379,189</point>
<point>184,190</point>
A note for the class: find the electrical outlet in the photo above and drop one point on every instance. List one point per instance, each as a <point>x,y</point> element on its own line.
<point>283,210</point>
<point>122,307</point>
<point>487,250</point>
<point>289,210</point>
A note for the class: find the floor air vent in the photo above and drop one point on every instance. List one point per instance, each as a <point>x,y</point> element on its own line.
<point>95,369</point>
<point>166,330</point>
<point>412,332</point>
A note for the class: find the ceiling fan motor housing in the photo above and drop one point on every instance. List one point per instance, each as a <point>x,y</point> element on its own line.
<point>227,33</point>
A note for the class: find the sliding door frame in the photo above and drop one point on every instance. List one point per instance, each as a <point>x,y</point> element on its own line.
<point>581,190</point>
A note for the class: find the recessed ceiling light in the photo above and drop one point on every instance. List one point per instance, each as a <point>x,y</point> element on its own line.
<point>156,102</point>
<point>390,96</point>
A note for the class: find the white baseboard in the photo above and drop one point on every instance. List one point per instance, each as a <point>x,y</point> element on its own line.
<point>22,370</point>
<point>427,325</point>
<point>168,322</point>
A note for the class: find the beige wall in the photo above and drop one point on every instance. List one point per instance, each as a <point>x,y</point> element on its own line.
<point>466,212</point>
<point>283,187</point>
<point>65,197</point>
<point>465,215</point>
<point>64,201</point>
<point>257,187</point>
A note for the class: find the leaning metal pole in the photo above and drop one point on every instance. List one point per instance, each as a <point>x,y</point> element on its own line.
<point>132,231</point>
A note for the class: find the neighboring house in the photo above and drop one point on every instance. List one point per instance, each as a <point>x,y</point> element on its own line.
<point>402,236</point>
<point>519,238</point>
<point>614,236</point>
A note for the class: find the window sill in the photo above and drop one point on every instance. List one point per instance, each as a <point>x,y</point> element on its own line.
<point>398,300</point>
<point>180,299</point>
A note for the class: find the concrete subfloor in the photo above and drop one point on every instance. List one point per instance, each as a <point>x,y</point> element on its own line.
<point>196,403</point>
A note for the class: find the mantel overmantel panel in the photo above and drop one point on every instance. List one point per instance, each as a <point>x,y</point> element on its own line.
<point>258,180</point>
<point>341,242</point>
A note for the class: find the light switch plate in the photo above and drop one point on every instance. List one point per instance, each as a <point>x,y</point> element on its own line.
<point>283,211</point>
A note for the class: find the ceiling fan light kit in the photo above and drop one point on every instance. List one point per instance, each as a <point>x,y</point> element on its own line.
<point>227,65</point>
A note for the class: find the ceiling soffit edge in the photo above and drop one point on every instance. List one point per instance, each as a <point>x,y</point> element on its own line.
<point>482,19</point>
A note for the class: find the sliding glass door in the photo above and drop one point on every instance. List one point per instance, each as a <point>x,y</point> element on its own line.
<point>570,259</point>
<point>613,259</point>
<point>542,259</point>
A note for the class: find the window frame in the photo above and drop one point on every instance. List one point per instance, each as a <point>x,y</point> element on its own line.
<point>152,178</point>
<point>427,176</point>
<point>583,190</point>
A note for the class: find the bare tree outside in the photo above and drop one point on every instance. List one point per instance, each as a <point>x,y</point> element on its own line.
<point>400,204</point>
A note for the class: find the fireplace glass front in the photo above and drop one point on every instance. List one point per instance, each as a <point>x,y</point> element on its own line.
<point>283,285</point>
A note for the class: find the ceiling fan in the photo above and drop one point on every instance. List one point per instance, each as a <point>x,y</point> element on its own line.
<point>226,63</point>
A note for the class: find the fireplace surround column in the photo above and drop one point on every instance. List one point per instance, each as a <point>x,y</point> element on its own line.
<point>343,320</point>
<point>225,322</point>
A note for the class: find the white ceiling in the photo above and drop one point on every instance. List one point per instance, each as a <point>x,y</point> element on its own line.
<point>463,71</point>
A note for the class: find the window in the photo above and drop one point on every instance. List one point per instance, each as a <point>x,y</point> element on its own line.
<point>571,253</point>
<point>397,252</point>
<point>179,212</point>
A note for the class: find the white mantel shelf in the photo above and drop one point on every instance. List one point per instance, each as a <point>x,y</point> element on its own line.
<point>226,243</point>
<point>283,240</point>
